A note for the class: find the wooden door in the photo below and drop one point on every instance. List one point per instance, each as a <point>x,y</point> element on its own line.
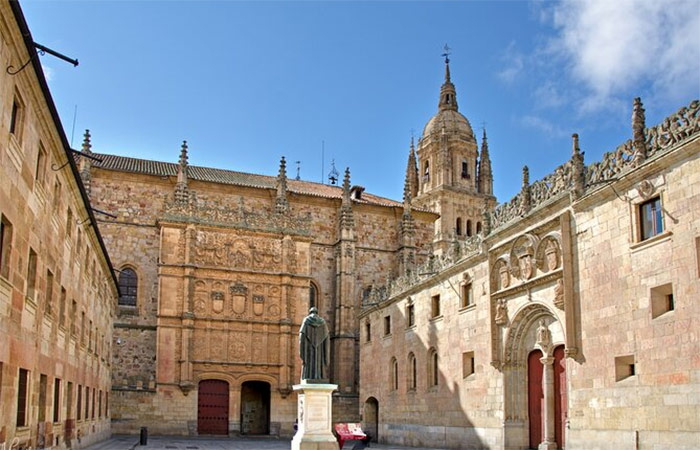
<point>560,402</point>
<point>212,407</point>
<point>535,398</point>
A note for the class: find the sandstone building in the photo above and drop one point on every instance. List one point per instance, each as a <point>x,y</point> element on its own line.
<point>57,290</point>
<point>569,321</point>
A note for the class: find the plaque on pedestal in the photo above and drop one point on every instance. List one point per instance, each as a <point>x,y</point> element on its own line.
<point>314,417</point>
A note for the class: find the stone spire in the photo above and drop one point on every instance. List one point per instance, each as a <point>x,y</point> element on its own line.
<point>448,93</point>
<point>281,203</point>
<point>181,189</point>
<point>638,125</point>
<point>486,217</point>
<point>577,168</point>
<point>411,179</point>
<point>347,220</point>
<point>86,163</point>
<point>485,177</point>
<point>525,192</point>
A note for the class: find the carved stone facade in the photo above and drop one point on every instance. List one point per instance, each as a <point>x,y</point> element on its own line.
<point>227,264</point>
<point>578,331</point>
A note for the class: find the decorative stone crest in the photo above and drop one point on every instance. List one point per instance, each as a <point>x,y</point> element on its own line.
<point>503,277</point>
<point>645,189</point>
<point>551,254</point>
<point>544,337</point>
<point>217,301</point>
<point>258,305</point>
<point>501,312</point>
<point>525,263</point>
<point>559,294</point>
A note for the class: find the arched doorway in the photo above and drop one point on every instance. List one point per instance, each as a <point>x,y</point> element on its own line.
<point>212,407</point>
<point>535,398</point>
<point>255,407</point>
<point>371,419</point>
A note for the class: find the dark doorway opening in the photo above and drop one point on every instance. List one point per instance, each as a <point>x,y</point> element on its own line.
<point>371,419</point>
<point>212,407</point>
<point>255,407</point>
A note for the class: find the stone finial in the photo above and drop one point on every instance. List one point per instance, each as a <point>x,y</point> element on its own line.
<point>87,145</point>
<point>638,126</point>
<point>485,176</point>
<point>411,179</point>
<point>577,168</point>
<point>486,218</point>
<point>525,203</point>
<point>281,202</point>
<point>181,188</point>
<point>346,217</point>
<point>86,163</point>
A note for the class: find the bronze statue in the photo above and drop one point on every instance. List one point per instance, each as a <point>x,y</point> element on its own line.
<point>314,348</point>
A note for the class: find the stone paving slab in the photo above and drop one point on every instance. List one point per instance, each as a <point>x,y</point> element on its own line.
<point>210,443</point>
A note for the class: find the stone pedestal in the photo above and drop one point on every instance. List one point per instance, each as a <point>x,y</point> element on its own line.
<point>314,416</point>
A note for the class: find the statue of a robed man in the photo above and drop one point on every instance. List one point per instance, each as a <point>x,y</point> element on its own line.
<point>314,348</point>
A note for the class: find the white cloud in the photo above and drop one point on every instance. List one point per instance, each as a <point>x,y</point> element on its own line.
<point>611,46</point>
<point>513,62</point>
<point>48,73</point>
<point>547,95</point>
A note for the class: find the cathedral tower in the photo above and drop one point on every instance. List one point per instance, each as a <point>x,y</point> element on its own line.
<point>452,181</point>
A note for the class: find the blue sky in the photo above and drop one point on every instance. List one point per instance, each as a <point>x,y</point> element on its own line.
<point>246,83</point>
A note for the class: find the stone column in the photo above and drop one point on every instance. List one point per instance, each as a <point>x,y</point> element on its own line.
<point>549,442</point>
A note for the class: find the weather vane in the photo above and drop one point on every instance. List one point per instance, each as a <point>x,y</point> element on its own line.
<point>298,169</point>
<point>333,174</point>
<point>447,54</point>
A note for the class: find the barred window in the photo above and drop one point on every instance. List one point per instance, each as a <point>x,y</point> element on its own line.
<point>128,286</point>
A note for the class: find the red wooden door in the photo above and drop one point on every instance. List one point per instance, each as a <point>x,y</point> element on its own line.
<point>535,398</point>
<point>212,407</point>
<point>560,405</point>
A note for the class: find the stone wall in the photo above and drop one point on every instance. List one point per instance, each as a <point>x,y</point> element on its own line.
<point>57,295</point>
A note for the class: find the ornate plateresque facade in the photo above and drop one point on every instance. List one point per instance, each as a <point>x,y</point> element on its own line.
<point>565,323</point>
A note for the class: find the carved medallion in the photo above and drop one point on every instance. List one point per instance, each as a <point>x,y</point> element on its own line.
<point>645,189</point>
<point>526,268</point>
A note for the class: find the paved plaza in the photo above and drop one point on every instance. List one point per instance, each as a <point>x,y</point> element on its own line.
<point>210,443</point>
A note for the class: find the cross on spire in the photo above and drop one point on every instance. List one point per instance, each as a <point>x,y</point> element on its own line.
<point>447,53</point>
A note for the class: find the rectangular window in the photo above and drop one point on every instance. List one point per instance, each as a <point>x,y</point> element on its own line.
<point>89,343</point>
<point>661,300</point>
<point>87,403</point>
<point>435,306</point>
<point>387,325</point>
<point>465,169</point>
<point>368,331</point>
<point>99,405</point>
<point>31,274</point>
<point>56,400</point>
<point>411,315</point>
<point>22,386</point>
<point>69,401</point>
<point>467,299</point>
<point>43,388</point>
<point>467,364</point>
<point>48,310</point>
<point>73,317</point>
<point>624,367</point>
<point>17,116</point>
<point>69,222</point>
<point>82,328</point>
<point>62,308</point>
<point>5,246</point>
<point>40,172</point>
<point>92,408</point>
<point>79,403</point>
<point>650,218</point>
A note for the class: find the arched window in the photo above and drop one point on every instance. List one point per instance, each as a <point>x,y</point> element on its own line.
<point>394,374</point>
<point>469,227</point>
<point>313,295</point>
<point>458,226</point>
<point>426,173</point>
<point>411,372</point>
<point>128,287</point>
<point>478,227</point>
<point>432,368</point>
